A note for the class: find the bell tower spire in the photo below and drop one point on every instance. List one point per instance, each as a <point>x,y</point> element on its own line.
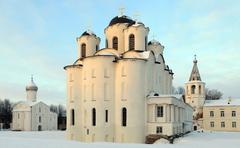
<point>195,75</point>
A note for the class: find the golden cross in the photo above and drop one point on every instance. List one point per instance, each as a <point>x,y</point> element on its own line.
<point>89,26</point>
<point>121,11</point>
<point>136,16</point>
<point>153,36</point>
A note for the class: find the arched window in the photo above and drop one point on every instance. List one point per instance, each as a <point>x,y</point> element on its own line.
<point>97,47</point>
<point>193,89</point>
<point>106,43</point>
<point>40,119</point>
<point>115,43</point>
<point>72,117</point>
<point>146,40</point>
<point>83,50</point>
<point>200,89</point>
<point>131,42</point>
<point>124,117</point>
<point>94,117</point>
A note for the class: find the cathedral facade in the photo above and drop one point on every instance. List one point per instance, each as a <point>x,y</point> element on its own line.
<point>31,115</point>
<point>123,92</point>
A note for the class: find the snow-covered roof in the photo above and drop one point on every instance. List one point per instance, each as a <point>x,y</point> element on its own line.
<point>24,105</point>
<point>153,94</point>
<point>223,102</point>
<point>137,54</point>
<point>108,51</point>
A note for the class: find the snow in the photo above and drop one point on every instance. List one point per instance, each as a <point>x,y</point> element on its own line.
<point>223,102</point>
<point>56,139</point>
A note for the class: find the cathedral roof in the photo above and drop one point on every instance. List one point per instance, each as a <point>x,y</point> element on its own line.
<point>88,32</point>
<point>121,19</point>
<point>31,86</point>
<point>154,42</point>
<point>195,75</point>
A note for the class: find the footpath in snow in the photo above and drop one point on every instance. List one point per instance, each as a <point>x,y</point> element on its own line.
<point>56,139</point>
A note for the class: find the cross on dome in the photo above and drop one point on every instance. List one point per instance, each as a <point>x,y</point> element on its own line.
<point>195,58</point>
<point>121,11</point>
<point>136,17</point>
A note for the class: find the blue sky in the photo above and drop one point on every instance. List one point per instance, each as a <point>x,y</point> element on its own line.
<point>38,37</point>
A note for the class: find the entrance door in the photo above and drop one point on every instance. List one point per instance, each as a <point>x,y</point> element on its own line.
<point>39,128</point>
<point>195,128</point>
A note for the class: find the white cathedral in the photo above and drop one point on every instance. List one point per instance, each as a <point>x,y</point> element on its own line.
<point>31,115</point>
<point>123,92</point>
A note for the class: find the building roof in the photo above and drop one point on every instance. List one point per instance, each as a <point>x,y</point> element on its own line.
<point>195,75</point>
<point>121,19</point>
<point>223,102</point>
<point>88,32</point>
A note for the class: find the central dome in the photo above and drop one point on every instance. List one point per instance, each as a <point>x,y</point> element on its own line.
<point>121,19</point>
<point>31,86</point>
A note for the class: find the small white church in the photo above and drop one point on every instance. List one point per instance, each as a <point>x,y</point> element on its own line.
<point>123,92</point>
<point>31,115</point>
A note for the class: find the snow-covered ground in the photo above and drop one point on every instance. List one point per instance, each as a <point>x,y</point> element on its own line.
<point>56,139</point>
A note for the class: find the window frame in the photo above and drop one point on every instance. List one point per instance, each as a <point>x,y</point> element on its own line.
<point>94,117</point>
<point>160,111</point>
<point>124,116</point>
<point>211,113</point>
<point>222,114</point>
<point>159,130</point>
<point>131,40</point>
<point>115,42</point>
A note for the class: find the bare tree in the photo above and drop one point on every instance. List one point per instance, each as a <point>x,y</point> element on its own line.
<point>178,90</point>
<point>213,94</point>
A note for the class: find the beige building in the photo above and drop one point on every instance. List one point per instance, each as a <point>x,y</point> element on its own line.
<point>31,115</point>
<point>122,93</point>
<point>222,115</point>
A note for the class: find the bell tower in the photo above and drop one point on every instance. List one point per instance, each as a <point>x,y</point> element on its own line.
<point>195,91</point>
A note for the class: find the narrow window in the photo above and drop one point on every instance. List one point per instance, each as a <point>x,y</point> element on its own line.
<point>222,113</point>
<point>222,124</point>
<point>200,89</point>
<point>39,110</point>
<point>234,124</point>
<point>94,117</point>
<point>211,124</point>
<point>83,50</point>
<point>106,43</point>
<point>211,114</point>
<point>97,47</point>
<point>131,42</point>
<point>146,40</point>
<point>159,111</point>
<point>115,43</point>
<point>124,117</point>
<point>72,117</point>
<point>40,119</point>
<point>233,113</point>
<point>193,89</point>
<point>106,116</point>
<point>18,115</point>
<point>159,130</point>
